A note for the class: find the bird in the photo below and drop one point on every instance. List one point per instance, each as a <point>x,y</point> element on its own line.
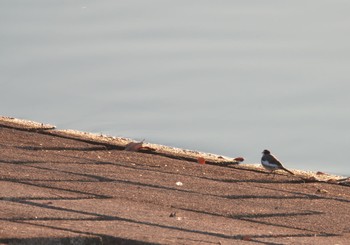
<point>271,163</point>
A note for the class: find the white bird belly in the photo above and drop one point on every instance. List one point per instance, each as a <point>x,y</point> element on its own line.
<point>269,166</point>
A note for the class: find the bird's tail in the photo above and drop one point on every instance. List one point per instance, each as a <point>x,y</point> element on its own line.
<point>287,170</point>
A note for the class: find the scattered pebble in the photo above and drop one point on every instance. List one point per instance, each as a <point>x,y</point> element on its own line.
<point>246,238</point>
<point>334,181</point>
<point>321,191</point>
<point>201,160</point>
<point>239,159</point>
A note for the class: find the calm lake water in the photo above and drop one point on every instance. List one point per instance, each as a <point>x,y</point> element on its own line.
<point>226,77</point>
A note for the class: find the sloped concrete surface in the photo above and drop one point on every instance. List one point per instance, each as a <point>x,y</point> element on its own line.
<point>59,189</point>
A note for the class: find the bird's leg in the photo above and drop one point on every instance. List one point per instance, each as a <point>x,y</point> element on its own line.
<point>273,174</point>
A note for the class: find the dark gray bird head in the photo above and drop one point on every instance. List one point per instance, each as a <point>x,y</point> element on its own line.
<point>266,152</point>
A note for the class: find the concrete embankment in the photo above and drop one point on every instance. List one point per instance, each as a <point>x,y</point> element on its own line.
<point>64,187</point>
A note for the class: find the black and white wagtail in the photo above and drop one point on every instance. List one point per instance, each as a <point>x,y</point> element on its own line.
<point>271,163</point>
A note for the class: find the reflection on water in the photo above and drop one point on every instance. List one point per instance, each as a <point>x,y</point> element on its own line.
<point>231,78</point>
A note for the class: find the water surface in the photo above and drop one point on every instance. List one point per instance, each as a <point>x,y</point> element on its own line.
<point>227,77</point>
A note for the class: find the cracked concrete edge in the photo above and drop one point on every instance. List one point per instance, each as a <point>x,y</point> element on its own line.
<point>25,124</point>
<point>169,151</point>
<point>109,140</point>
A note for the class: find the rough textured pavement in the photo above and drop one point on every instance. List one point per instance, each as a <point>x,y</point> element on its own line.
<point>60,189</point>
